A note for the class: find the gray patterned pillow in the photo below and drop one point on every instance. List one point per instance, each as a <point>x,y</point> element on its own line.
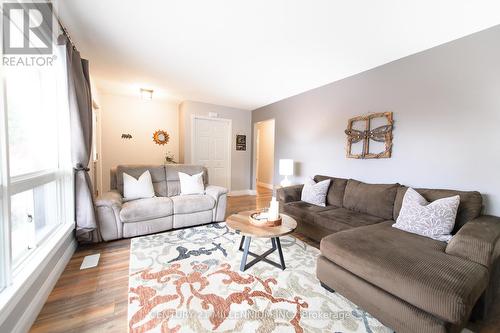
<point>434,220</point>
<point>315,193</point>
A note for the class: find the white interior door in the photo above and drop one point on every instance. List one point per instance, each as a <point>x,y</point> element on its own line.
<point>212,149</point>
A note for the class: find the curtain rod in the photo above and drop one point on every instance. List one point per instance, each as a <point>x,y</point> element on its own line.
<point>63,28</point>
<point>66,33</point>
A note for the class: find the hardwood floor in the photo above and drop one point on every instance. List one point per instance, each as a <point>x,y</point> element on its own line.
<point>91,300</point>
<point>95,300</point>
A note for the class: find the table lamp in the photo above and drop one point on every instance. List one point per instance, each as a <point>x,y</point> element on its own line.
<point>286,169</point>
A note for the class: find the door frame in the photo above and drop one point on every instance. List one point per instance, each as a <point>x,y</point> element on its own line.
<point>255,151</point>
<point>96,158</point>
<point>229,122</point>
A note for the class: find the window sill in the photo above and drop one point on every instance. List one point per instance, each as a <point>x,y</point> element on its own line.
<point>45,235</point>
<point>31,269</point>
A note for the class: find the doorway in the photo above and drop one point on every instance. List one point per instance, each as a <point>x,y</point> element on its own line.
<point>211,147</point>
<point>264,155</point>
<point>95,161</point>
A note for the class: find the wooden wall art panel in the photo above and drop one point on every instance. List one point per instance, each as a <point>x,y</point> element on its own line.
<point>365,133</point>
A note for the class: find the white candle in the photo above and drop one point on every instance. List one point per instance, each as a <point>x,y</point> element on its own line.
<point>274,210</point>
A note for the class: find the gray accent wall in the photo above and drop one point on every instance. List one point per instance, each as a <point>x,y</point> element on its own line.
<point>446,104</point>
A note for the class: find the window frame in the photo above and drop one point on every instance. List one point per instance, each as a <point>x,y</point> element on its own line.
<point>15,278</point>
<point>29,182</point>
<point>15,282</point>
<point>62,176</point>
<point>5,233</point>
<point>15,285</point>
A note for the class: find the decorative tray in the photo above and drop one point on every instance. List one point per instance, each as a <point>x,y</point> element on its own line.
<point>260,220</point>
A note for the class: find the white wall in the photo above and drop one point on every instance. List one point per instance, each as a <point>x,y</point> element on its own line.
<point>140,118</point>
<point>446,104</point>
<point>265,170</point>
<point>241,124</point>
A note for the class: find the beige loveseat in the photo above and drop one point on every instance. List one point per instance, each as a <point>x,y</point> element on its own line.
<point>167,210</point>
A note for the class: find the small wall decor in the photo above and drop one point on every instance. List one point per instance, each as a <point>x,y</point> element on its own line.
<point>370,136</point>
<point>126,136</point>
<point>241,142</point>
<point>169,158</point>
<point>161,137</point>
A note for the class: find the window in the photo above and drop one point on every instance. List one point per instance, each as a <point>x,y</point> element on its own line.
<point>4,228</point>
<point>36,168</point>
<point>33,216</point>
<point>31,95</point>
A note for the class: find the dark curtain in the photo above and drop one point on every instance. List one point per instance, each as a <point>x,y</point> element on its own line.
<point>80,108</point>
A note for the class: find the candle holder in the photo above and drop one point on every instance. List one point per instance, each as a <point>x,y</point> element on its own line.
<point>263,222</point>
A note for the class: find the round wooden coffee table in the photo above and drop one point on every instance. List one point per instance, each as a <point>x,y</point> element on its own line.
<point>240,224</point>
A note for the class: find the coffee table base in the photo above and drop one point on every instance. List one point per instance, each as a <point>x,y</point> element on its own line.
<point>245,246</point>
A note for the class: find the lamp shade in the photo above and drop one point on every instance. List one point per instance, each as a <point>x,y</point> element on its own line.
<point>286,167</point>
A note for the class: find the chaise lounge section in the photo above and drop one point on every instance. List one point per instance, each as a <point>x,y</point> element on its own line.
<point>409,282</point>
<point>167,210</point>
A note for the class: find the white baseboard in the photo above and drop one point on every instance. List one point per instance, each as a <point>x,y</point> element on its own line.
<point>269,186</point>
<point>29,316</point>
<point>242,192</point>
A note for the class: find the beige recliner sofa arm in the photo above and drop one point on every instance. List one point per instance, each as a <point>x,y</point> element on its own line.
<point>220,196</point>
<point>108,207</point>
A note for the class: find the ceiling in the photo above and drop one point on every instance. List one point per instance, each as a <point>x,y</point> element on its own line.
<point>247,54</point>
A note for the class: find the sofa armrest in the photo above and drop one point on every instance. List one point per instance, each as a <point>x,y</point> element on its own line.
<point>290,193</point>
<point>476,240</point>
<point>109,199</point>
<point>220,195</point>
<point>108,207</point>
<point>215,191</point>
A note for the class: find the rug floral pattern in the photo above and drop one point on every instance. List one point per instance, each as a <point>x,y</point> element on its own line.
<point>189,281</point>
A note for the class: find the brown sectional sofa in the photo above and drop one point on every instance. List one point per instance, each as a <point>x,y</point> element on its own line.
<point>409,282</point>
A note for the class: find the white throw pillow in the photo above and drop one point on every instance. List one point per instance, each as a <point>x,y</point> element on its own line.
<point>191,184</point>
<point>434,220</point>
<point>315,193</point>
<point>138,188</point>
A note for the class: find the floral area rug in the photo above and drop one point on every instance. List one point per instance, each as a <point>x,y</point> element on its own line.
<point>189,281</point>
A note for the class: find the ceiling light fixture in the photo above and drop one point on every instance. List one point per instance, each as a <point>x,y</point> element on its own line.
<point>146,93</point>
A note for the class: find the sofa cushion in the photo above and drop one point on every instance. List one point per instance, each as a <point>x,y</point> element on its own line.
<point>341,219</point>
<point>172,176</point>
<point>157,176</point>
<point>414,268</point>
<point>303,211</point>
<point>139,188</point>
<point>315,193</point>
<point>373,199</point>
<point>471,203</point>
<point>430,219</point>
<point>186,204</point>
<point>335,195</point>
<point>191,184</point>
<point>146,209</point>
